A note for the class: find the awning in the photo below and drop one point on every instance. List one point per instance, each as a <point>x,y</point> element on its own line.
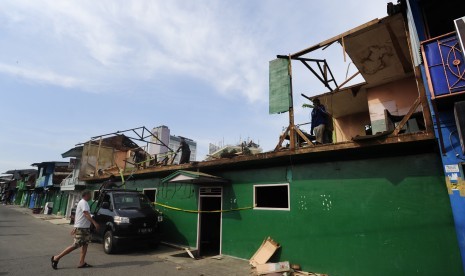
<point>182,176</point>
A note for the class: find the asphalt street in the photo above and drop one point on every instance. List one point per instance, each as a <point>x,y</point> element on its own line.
<point>27,243</point>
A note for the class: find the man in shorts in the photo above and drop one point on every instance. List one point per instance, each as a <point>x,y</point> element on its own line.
<point>81,232</point>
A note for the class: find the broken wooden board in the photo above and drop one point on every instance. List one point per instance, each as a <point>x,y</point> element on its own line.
<point>268,268</point>
<point>264,253</point>
<point>303,273</point>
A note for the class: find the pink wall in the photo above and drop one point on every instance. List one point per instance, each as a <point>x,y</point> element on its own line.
<point>397,97</point>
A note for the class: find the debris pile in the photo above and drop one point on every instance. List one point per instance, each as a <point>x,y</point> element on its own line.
<point>261,266</point>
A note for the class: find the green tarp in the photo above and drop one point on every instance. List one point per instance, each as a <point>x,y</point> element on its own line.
<point>280,86</point>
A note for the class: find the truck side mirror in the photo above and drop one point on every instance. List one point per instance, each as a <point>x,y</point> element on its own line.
<point>105,205</point>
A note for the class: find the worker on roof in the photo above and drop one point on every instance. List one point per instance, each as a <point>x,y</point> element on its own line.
<point>319,121</point>
<point>186,151</point>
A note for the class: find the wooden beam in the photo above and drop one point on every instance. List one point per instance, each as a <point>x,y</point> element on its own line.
<point>406,65</point>
<point>343,48</point>
<point>299,132</point>
<point>407,116</point>
<point>335,38</point>
<point>438,124</point>
<point>98,156</point>
<point>281,139</point>
<point>346,81</point>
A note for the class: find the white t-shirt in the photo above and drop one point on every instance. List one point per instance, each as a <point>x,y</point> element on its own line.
<point>80,221</point>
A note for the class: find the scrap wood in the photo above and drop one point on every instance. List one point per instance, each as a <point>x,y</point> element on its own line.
<point>264,253</point>
<point>268,268</point>
<point>303,273</point>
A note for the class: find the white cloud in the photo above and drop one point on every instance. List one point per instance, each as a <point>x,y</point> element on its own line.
<point>39,75</point>
<point>136,40</point>
<point>227,45</point>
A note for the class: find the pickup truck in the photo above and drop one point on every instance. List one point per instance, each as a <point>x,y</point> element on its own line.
<point>125,216</point>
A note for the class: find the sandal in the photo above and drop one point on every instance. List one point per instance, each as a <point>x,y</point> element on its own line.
<point>84,265</point>
<point>54,263</point>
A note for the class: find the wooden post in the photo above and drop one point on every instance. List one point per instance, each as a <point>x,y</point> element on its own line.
<point>291,111</point>
<point>407,116</point>
<point>98,155</point>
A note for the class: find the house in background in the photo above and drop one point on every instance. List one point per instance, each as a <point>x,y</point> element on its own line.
<point>20,183</point>
<point>71,186</point>
<point>47,187</point>
<point>5,180</point>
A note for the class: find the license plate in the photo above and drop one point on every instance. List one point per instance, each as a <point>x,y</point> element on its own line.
<point>145,230</point>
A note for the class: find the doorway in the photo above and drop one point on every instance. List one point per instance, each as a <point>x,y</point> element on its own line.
<point>209,237</point>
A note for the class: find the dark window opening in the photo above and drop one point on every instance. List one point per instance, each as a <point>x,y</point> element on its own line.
<point>272,196</point>
<point>96,195</point>
<point>439,16</point>
<point>151,194</point>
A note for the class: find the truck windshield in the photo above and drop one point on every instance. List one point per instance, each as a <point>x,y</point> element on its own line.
<point>130,201</point>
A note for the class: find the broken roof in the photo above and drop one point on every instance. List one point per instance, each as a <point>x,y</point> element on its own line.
<point>379,49</point>
<point>74,152</point>
<point>56,163</point>
<point>118,141</point>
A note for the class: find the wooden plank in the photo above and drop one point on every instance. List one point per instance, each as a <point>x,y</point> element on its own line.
<point>264,252</point>
<point>281,139</point>
<point>407,116</point>
<point>299,132</point>
<point>424,101</point>
<point>343,49</point>
<point>346,81</point>
<point>98,155</point>
<point>335,38</point>
<point>398,49</point>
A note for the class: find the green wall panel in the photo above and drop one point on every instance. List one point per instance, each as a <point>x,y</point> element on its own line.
<point>386,216</point>
<point>279,86</point>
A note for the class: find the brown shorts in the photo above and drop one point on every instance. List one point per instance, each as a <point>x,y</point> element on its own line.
<point>81,237</point>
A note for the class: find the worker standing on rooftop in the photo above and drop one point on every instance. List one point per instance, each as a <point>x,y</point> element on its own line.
<point>319,121</point>
<point>186,151</point>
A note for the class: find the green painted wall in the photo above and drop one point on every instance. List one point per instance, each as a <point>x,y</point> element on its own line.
<point>60,201</point>
<point>386,216</point>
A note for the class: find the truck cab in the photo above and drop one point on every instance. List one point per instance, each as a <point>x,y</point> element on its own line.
<point>125,216</point>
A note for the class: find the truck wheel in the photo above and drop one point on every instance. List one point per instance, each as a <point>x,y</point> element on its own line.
<point>109,245</point>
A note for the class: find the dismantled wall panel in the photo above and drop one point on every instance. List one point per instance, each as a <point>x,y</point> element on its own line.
<point>280,86</point>
<point>90,155</point>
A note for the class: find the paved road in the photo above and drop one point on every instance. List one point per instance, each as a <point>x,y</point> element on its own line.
<point>27,243</point>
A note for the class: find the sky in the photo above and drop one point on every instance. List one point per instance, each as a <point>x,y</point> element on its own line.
<point>71,70</point>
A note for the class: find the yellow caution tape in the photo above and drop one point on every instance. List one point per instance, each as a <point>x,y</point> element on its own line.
<point>198,211</point>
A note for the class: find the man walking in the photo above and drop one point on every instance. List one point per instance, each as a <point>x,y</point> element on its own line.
<point>81,232</point>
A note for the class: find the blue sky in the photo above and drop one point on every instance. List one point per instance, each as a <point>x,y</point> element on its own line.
<point>70,70</point>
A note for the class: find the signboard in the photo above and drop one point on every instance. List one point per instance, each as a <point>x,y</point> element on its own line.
<point>460,28</point>
<point>280,86</point>
<point>451,168</point>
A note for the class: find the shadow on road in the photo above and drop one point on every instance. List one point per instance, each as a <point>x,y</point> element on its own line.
<point>122,264</point>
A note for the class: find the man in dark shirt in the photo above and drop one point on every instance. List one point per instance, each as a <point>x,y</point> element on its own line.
<point>186,151</point>
<point>319,121</point>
